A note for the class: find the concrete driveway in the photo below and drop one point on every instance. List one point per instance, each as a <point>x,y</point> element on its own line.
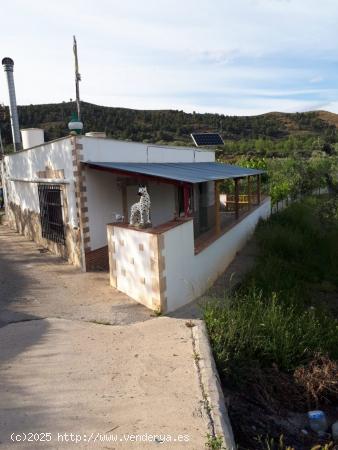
<point>67,374</point>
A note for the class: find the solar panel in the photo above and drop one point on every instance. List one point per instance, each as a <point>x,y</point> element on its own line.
<point>201,139</point>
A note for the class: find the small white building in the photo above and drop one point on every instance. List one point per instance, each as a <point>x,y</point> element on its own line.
<point>65,193</point>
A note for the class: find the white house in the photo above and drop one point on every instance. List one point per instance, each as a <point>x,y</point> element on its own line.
<point>65,193</point>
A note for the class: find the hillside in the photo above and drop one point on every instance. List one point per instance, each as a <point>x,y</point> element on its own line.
<point>166,126</point>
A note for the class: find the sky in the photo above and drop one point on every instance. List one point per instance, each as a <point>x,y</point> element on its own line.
<point>235,57</point>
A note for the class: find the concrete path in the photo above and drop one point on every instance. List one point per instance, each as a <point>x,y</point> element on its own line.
<point>59,376</point>
<point>66,376</point>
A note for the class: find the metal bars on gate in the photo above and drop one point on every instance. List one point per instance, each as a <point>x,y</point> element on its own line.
<point>50,199</point>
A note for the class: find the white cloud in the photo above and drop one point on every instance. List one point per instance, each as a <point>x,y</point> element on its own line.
<point>317,79</point>
<point>331,106</point>
<point>265,53</point>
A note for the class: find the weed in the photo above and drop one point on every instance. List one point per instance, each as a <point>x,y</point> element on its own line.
<point>269,443</point>
<point>319,379</point>
<point>255,330</point>
<point>196,356</point>
<point>214,442</point>
<point>329,446</point>
<point>157,312</point>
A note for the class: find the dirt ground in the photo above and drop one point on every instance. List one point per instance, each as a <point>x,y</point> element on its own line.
<point>64,369</point>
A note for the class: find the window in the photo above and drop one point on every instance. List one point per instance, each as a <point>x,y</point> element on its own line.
<point>51,212</point>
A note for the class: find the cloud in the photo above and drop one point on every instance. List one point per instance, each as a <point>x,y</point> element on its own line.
<point>317,79</point>
<point>331,106</point>
<point>214,56</point>
<point>243,56</point>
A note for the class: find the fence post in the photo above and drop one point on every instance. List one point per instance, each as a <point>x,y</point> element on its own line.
<point>217,209</point>
<point>249,192</point>
<point>259,189</point>
<point>236,198</point>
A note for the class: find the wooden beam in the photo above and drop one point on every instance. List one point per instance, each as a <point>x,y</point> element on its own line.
<point>217,209</point>
<point>124,203</point>
<point>259,189</point>
<point>186,198</point>
<point>236,198</point>
<point>249,192</point>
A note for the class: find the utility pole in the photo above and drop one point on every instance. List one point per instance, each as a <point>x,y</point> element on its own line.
<point>77,79</point>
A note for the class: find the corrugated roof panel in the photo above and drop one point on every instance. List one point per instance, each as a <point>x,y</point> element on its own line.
<point>187,172</point>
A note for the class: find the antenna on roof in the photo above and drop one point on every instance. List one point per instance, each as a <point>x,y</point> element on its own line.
<point>77,79</point>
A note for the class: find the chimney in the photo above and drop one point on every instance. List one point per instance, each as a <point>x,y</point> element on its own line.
<point>8,65</point>
<point>32,137</point>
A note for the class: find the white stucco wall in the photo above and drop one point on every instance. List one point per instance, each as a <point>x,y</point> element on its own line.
<point>203,156</point>
<point>104,150</point>
<point>104,199</point>
<point>188,275</point>
<point>170,154</point>
<point>162,198</point>
<point>22,168</point>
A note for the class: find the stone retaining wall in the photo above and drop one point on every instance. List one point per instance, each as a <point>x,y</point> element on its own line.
<point>28,223</point>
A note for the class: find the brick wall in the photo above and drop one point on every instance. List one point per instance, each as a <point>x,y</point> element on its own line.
<point>97,259</point>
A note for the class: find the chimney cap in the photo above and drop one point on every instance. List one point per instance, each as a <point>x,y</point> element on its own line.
<point>8,64</point>
<point>7,61</point>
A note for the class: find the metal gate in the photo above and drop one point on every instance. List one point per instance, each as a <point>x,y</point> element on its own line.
<point>52,225</point>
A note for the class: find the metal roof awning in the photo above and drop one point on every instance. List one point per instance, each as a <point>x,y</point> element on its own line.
<point>185,172</point>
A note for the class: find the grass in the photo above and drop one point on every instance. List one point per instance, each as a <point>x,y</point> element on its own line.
<point>273,319</point>
<point>298,249</point>
<point>257,331</point>
<point>276,336</point>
